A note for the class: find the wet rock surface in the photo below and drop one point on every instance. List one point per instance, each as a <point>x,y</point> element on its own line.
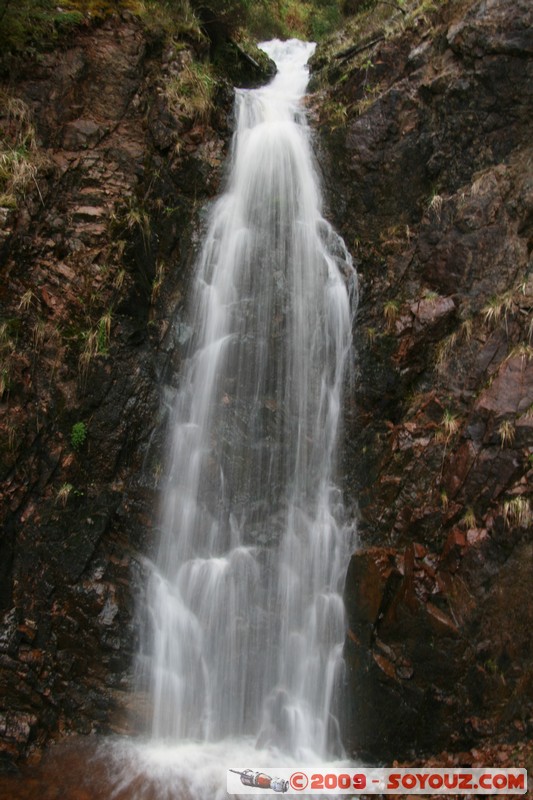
<point>437,647</point>
<point>95,261</point>
<point>426,140</point>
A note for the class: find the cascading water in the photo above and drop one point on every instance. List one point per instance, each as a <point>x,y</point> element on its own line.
<point>244,614</point>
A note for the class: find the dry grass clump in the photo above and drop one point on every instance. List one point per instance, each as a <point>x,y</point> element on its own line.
<point>20,158</point>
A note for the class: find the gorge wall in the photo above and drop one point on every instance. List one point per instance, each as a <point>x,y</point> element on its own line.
<point>95,256</point>
<point>423,120</point>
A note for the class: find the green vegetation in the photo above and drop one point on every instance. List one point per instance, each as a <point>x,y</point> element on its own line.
<point>64,493</point>
<point>347,59</point>
<point>468,520</point>
<point>129,224</point>
<point>337,114</point>
<point>97,342</point>
<point>391,311</point>
<point>103,333</point>
<point>5,380</point>
<point>517,512</point>
<point>435,204</point>
<point>173,18</point>
<point>498,307</point>
<point>506,432</point>
<point>523,351</point>
<point>191,92</point>
<point>28,27</point>
<point>450,423</point>
<point>7,354</point>
<point>371,335</point>
<point>78,434</point>
<point>158,281</point>
<point>26,300</point>
<point>134,216</point>
<point>446,347</point>
<point>310,19</point>
<point>466,329</point>
<point>31,26</point>
<point>38,331</point>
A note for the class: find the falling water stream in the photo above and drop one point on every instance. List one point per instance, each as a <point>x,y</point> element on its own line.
<point>243,616</point>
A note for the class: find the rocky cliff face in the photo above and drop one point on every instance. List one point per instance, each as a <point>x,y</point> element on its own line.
<point>423,126</point>
<point>425,130</point>
<point>95,260</point>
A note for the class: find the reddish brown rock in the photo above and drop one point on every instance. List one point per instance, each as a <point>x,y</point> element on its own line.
<point>436,651</point>
<point>511,391</point>
<point>435,190</point>
<point>108,211</point>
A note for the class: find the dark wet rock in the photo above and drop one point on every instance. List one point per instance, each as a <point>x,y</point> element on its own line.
<point>80,134</point>
<point>429,181</point>
<point>244,63</point>
<point>425,137</point>
<point>441,651</point>
<point>101,248</point>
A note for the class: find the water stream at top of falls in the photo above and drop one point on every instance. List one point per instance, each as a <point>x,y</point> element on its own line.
<point>244,616</point>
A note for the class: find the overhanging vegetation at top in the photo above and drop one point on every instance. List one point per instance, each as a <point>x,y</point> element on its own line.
<point>31,26</point>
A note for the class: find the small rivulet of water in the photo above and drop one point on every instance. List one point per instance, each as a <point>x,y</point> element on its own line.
<point>244,617</point>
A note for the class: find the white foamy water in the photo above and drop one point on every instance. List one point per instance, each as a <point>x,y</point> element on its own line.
<point>244,617</point>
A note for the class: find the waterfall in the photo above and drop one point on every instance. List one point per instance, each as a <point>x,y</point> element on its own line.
<point>245,617</point>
